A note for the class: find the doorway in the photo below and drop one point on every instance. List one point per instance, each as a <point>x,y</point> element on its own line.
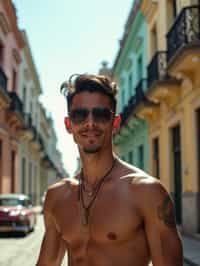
<point>198,164</point>
<point>176,151</point>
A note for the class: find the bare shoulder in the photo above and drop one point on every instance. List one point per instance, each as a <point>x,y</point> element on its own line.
<point>57,190</point>
<point>140,180</point>
<point>152,198</point>
<point>148,191</point>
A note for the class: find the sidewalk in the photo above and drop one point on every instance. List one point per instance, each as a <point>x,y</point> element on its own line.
<point>37,209</point>
<point>191,250</point>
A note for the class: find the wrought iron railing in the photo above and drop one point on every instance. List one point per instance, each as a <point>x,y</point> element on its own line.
<point>157,68</point>
<point>128,110</point>
<point>140,91</point>
<point>29,126</point>
<point>35,133</point>
<point>16,104</point>
<point>27,120</point>
<point>185,30</point>
<point>3,81</point>
<point>42,148</point>
<point>48,160</point>
<point>134,101</point>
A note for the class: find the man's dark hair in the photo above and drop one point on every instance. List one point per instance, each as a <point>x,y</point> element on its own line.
<point>78,83</point>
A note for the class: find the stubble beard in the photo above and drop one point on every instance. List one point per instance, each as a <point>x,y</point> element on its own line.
<point>91,150</point>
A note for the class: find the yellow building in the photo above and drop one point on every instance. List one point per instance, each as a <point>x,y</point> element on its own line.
<point>172,108</point>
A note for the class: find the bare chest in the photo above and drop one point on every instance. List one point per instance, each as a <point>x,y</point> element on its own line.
<point>112,217</point>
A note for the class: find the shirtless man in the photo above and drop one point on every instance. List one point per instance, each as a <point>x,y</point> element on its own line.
<point>111,213</point>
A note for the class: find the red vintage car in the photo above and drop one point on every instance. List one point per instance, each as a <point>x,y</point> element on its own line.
<point>16,213</point>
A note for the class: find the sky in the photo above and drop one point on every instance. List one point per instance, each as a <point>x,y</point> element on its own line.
<point>69,37</point>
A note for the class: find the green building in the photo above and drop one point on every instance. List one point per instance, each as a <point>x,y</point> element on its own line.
<point>129,69</point>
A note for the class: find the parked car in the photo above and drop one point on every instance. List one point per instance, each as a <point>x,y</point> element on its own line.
<point>16,213</point>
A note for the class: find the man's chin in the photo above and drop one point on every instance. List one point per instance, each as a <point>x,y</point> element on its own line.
<point>91,150</point>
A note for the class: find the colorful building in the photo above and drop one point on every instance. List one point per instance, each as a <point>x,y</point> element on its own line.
<point>131,142</point>
<point>30,139</point>
<point>173,107</point>
<point>11,109</point>
<point>28,143</point>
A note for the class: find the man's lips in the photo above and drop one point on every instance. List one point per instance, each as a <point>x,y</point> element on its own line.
<point>89,133</point>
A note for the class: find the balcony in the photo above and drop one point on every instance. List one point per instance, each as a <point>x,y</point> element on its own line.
<point>42,146</point>
<point>157,68</point>
<point>160,84</point>
<point>35,141</point>
<point>4,96</point>
<point>48,163</point>
<point>183,43</point>
<point>134,101</point>
<point>16,104</point>
<point>15,114</point>
<point>27,131</point>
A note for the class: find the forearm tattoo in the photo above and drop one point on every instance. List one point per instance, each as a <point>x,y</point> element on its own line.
<point>165,213</point>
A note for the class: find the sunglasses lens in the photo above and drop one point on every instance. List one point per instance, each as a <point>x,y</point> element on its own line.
<point>79,115</point>
<point>102,114</point>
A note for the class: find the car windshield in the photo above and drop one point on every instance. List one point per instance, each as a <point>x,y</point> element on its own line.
<point>12,202</point>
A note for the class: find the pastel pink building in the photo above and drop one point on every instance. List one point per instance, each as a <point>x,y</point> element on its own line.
<point>11,108</point>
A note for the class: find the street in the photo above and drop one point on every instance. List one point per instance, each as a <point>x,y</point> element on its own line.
<point>17,250</point>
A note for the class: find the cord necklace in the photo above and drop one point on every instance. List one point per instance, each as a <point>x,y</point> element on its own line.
<point>93,194</point>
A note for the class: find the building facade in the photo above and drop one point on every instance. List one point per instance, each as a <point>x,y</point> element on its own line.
<point>173,116</point>
<point>131,142</point>
<point>30,139</point>
<point>11,110</point>
<point>28,143</point>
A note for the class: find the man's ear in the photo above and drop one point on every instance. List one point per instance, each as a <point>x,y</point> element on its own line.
<point>116,123</point>
<point>67,124</point>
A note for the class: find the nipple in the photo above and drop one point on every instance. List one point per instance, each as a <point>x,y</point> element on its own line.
<point>112,236</point>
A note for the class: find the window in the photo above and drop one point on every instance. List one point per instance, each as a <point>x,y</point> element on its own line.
<point>1,161</point>
<point>1,53</point>
<point>13,158</point>
<point>130,157</point>
<point>23,183</point>
<point>30,180</point>
<point>141,156</point>
<point>24,98</point>
<point>154,40</point>
<point>35,185</point>
<point>198,142</point>
<point>140,68</point>
<point>171,12</point>
<point>130,89</point>
<point>14,78</point>
<point>31,108</point>
<point>177,173</point>
<point>156,162</point>
<point>198,158</point>
<point>122,99</point>
<point>174,8</point>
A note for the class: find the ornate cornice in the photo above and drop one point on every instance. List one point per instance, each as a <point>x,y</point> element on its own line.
<point>148,7</point>
<point>11,14</point>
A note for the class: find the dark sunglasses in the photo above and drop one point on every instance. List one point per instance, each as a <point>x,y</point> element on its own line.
<point>99,114</point>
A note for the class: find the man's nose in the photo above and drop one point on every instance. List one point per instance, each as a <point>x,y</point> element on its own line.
<point>90,120</point>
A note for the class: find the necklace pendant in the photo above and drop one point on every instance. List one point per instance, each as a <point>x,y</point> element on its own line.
<point>84,217</point>
<point>84,220</point>
<point>90,194</point>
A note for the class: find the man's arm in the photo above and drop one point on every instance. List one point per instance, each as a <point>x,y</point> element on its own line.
<point>53,247</point>
<point>160,225</point>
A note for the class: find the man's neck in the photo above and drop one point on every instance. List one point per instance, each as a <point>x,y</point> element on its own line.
<point>95,166</point>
